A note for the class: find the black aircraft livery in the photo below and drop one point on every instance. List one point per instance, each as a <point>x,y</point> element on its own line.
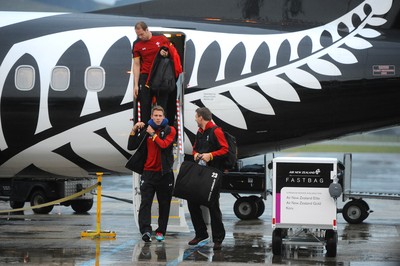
<point>288,78</point>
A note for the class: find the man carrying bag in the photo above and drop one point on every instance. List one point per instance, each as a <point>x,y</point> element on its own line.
<point>207,151</point>
<point>153,160</point>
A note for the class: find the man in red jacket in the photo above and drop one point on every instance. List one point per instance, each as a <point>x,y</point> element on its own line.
<point>156,173</point>
<point>145,50</point>
<point>212,154</point>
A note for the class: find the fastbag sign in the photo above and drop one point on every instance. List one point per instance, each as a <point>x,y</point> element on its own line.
<point>301,191</point>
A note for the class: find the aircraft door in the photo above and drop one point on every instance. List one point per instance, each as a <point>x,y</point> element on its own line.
<point>177,221</point>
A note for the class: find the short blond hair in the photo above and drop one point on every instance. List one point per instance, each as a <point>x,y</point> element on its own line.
<point>158,108</point>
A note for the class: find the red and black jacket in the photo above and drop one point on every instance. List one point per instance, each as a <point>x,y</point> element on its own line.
<point>216,145</point>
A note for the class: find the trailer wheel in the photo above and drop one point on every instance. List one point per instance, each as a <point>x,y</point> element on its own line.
<point>260,205</point>
<point>331,238</point>
<point>366,208</point>
<point>245,208</point>
<point>277,242</point>
<point>38,197</point>
<point>82,206</point>
<point>355,211</point>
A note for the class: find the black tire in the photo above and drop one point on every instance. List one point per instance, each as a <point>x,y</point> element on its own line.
<point>366,208</point>
<point>82,206</point>
<point>277,242</point>
<point>260,205</point>
<point>355,211</point>
<point>16,204</point>
<point>331,238</point>
<point>39,197</point>
<point>245,208</point>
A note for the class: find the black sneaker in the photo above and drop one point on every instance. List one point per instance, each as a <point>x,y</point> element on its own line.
<point>197,240</point>
<point>146,237</point>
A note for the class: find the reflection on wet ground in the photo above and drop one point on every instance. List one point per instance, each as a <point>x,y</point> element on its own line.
<point>55,238</point>
<point>362,233</point>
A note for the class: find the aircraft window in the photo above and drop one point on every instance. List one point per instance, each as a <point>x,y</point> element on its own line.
<point>60,77</point>
<point>95,79</point>
<point>24,77</point>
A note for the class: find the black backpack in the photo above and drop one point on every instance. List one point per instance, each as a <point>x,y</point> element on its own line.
<point>231,157</point>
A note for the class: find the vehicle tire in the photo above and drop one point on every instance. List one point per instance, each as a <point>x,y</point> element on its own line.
<point>331,238</point>
<point>366,208</point>
<point>260,205</point>
<point>82,206</point>
<point>16,204</point>
<point>355,211</point>
<point>277,242</point>
<point>245,208</point>
<point>39,197</point>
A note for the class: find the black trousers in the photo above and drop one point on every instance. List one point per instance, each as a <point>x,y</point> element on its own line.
<point>200,227</point>
<point>152,183</point>
<point>165,100</point>
<point>168,102</point>
<point>144,97</point>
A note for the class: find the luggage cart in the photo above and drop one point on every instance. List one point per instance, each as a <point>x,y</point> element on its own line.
<point>303,208</point>
<point>250,180</point>
<point>236,183</point>
<point>357,210</point>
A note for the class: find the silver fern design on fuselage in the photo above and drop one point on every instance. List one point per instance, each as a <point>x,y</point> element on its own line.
<point>276,81</point>
<point>74,136</point>
<point>59,121</point>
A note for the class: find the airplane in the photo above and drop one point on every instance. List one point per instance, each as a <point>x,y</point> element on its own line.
<point>275,75</point>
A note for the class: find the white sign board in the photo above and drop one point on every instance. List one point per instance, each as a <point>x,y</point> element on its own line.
<point>301,191</point>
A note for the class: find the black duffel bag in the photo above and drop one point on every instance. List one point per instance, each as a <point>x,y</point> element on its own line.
<point>197,183</point>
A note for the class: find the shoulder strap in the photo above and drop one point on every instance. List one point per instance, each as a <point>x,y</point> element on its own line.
<point>213,129</point>
<point>213,137</point>
<point>166,130</point>
<point>141,142</point>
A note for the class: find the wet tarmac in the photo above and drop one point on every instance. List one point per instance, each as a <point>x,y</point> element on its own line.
<point>54,239</point>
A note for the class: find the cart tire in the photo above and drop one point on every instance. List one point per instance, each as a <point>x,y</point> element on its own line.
<point>260,205</point>
<point>277,242</point>
<point>331,238</point>
<point>39,197</point>
<point>82,206</point>
<point>366,208</point>
<point>245,208</point>
<point>355,211</point>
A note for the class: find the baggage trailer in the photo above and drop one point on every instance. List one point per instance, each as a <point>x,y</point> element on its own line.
<point>236,183</point>
<point>249,179</point>
<point>304,192</point>
<point>357,210</point>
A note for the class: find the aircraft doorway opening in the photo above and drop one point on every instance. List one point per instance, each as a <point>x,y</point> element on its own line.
<point>178,40</point>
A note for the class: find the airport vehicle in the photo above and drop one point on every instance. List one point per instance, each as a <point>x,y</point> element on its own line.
<point>252,181</point>
<point>43,189</point>
<point>356,210</point>
<point>275,75</point>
